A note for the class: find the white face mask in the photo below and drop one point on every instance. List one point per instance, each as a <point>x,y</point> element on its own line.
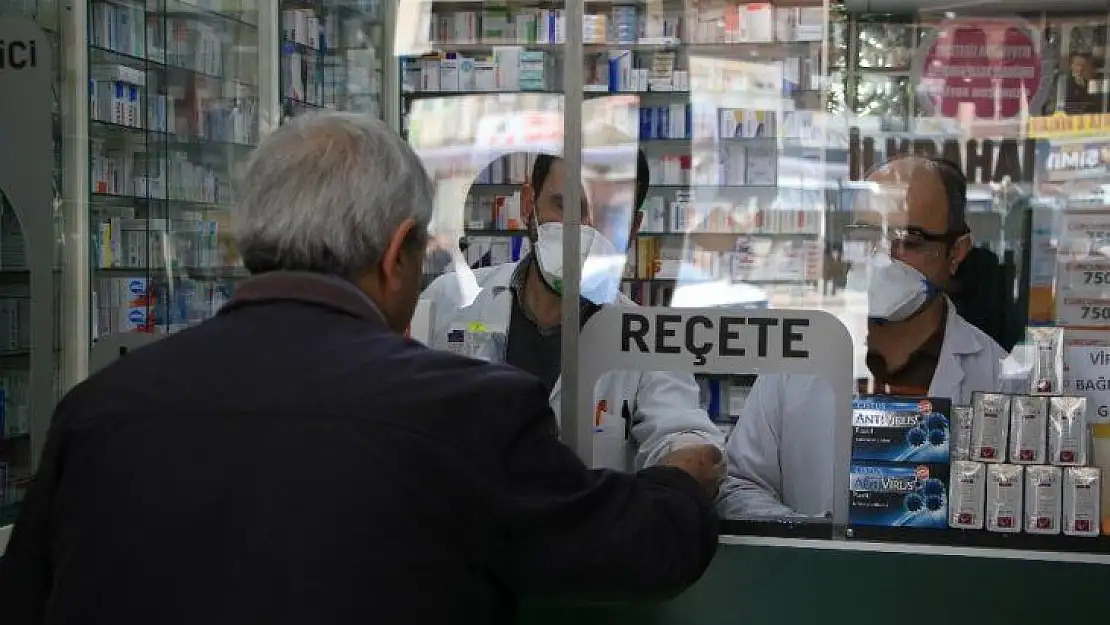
<point>895,291</point>
<point>600,261</point>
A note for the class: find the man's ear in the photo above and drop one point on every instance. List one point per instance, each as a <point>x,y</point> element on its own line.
<point>960,250</point>
<point>393,260</point>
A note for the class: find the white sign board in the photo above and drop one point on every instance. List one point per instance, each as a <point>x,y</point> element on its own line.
<point>716,341</point>
<point>1088,375</point>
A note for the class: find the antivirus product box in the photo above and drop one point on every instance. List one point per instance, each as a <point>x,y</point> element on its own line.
<point>898,495</point>
<point>901,430</point>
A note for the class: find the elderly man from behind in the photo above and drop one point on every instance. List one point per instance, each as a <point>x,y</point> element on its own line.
<point>297,460</point>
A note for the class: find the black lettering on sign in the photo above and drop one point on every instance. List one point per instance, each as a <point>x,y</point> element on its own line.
<point>790,337</point>
<point>763,324</point>
<point>664,331</point>
<point>18,54</point>
<point>728,335</point>
<point>699,350</point>
<point>735,336</point>
<point>628,333</point>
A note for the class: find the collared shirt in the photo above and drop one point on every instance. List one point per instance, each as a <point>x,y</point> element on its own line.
<point>916,376</point>
<point>531,347</point>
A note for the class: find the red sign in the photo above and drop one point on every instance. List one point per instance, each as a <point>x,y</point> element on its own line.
<point>996,65</point>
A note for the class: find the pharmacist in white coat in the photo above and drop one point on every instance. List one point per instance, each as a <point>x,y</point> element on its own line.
<point>512,313</point>
<point>781,453</point>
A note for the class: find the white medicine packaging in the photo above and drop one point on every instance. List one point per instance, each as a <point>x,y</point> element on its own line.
<point>967,489</point>
<point>961,433</point>
<point>1081,500</point>
<point>1068,435</point>
<point>1028,427</point>
<point>1004,497</point>
<point>990,426</point>
<point>1042,499</point>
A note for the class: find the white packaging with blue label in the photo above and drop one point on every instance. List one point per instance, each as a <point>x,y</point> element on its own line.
<point>1028,427</point>
<point>1068,434</point>
<point>898,495</point>
<point>1082,496</point>
<point>478,340</point>
<point>990,426</point>
<point>900,430</point>
<point>961,433</point>
<point>1004,497</point>
<point>1042,499</point>
<point>966,494</point>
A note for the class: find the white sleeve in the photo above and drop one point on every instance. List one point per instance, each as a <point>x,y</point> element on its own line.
<point>754,480</point>
<point>443,293</point>
<point>668,410</point>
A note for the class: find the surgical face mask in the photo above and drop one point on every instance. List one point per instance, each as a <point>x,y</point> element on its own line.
<point>895,291</point>
<point>600,261</point>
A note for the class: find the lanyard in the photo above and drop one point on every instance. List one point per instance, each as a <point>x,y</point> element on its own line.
<point>866,387</point>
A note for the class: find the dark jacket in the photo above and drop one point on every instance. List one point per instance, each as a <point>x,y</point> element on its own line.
<point>294,461</point>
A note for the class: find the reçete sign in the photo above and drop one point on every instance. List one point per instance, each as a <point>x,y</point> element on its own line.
<point>996,65</point>
<point>699,336</point>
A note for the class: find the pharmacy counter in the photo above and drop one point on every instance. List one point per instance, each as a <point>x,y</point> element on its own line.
<point>765,581</point>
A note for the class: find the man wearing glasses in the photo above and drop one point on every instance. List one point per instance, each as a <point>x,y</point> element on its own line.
<point>781,454</point>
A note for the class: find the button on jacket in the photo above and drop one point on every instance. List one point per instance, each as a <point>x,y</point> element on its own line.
<point>294,461</point>
<point>664,405</point>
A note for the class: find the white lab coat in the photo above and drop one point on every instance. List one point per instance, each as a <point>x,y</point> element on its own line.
<point>665,405</point>
<point>781,453</point>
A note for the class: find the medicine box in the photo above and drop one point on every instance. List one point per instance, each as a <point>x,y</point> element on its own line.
<point>901,430</point>
<point>898,494</point>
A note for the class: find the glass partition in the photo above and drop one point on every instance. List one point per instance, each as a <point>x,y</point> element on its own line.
<point>173,111</point>
<point>932,178</point>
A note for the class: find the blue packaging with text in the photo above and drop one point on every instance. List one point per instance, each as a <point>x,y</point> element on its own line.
<point>898,495</point>
<point>900,429</point>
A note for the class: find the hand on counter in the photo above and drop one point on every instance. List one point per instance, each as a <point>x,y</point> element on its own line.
<point>704,463</point>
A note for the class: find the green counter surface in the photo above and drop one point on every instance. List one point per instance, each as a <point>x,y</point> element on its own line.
<point>793,582</point>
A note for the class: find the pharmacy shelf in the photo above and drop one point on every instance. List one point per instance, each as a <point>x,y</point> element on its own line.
<point>474,61</point>
<point>331,56</point>
<point>173,114</point>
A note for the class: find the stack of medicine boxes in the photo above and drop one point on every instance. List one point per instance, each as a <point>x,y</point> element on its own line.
<point>1020,464</point>
<point>900,462</point>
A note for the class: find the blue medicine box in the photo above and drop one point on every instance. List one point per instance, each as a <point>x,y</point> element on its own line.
<point>901,430</point>
<point>898,495</point>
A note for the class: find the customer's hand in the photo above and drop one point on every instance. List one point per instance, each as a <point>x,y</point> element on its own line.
<point>704,463</point>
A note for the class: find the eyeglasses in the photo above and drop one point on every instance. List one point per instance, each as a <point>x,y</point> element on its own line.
<point>904,240</point>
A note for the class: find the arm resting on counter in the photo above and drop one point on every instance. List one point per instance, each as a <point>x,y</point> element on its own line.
<point>592,534</point>
<point>668,411</point>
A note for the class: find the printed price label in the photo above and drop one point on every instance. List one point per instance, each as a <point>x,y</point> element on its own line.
<point>1085,276</point>
<point>1085,233</point>
<point>1082,311</point>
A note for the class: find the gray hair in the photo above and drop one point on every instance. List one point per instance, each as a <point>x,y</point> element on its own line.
<point>325,192</point>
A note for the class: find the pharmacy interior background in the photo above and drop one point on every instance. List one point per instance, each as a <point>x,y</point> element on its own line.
<point>760,123</point>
